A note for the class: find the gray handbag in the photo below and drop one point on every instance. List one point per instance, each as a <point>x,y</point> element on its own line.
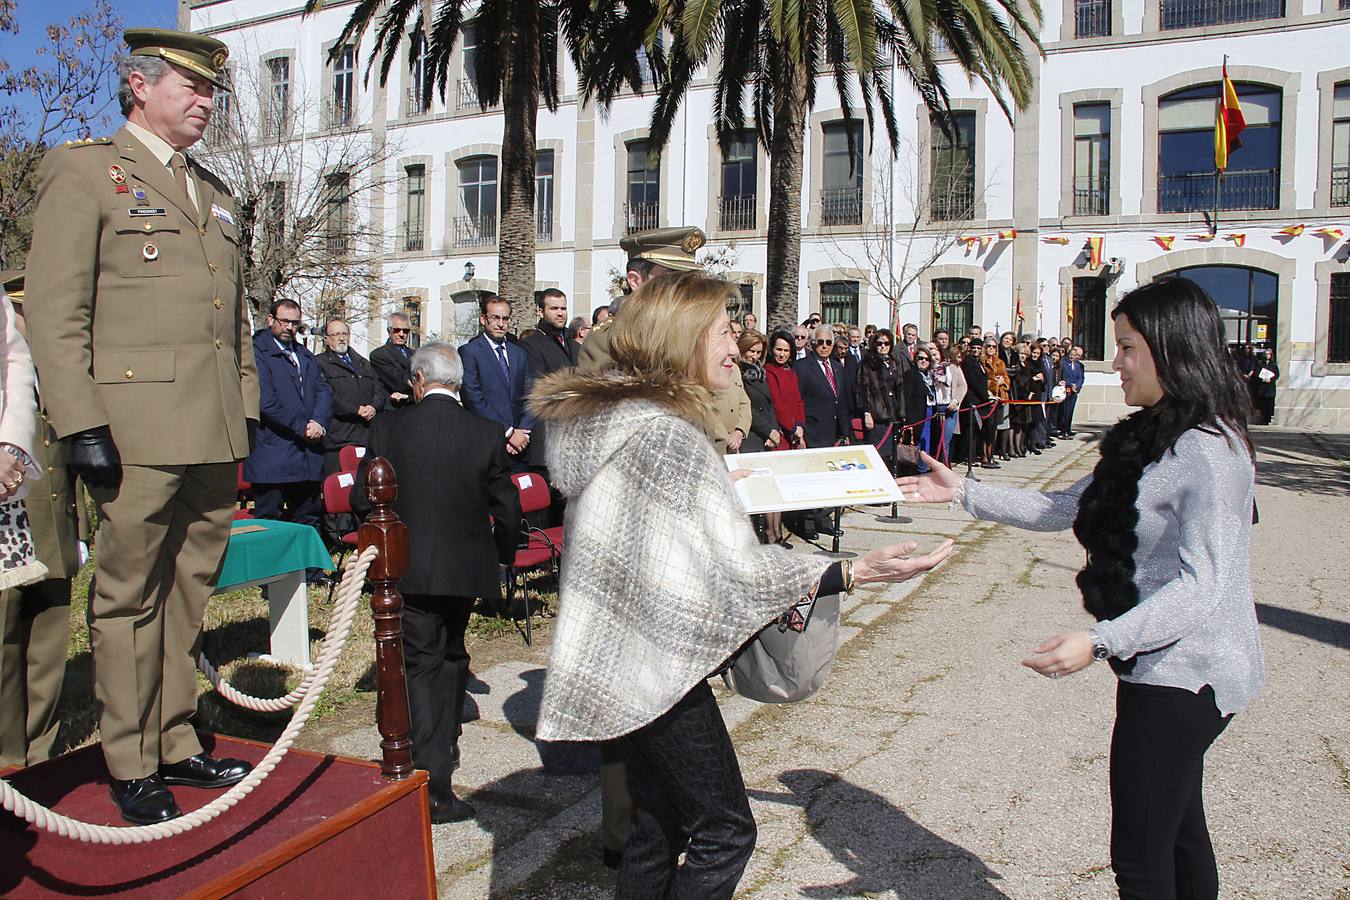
<point>790,657</point>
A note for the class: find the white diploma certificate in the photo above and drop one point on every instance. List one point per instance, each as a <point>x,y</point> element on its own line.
<point>817,478</point>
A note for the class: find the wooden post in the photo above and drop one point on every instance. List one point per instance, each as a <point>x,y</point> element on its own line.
<point>384,530</point>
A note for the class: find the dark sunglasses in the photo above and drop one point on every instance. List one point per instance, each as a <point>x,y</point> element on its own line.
<point>883,343</point>
<point>820,343</point>
<point>400,330</point>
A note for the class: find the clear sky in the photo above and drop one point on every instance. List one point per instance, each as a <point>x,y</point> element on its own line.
<point>35,15</point>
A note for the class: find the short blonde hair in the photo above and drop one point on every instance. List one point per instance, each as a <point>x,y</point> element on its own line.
<point>664,325</point>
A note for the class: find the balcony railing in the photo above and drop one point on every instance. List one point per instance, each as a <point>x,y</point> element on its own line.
<point>475,231</point>
<point>641,216</point>
<point>954,202</point>
<point>413,239</point>
<point>276,122</point>
<point>841,206</point>
<point>1091,18</point>
<point>1194,191</point>
<point>340,116</point>
<point>1340,185</point>
<point>1091,197</point>
<point>1198,13</point>
<point>412,102</point>
<point>543,225</point>
<point>337,242</point>
<point>738,213</point>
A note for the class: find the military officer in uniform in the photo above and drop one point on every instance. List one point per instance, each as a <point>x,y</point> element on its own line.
<point>36,616</point>
<point>656,252</point>
<point>142,343</point>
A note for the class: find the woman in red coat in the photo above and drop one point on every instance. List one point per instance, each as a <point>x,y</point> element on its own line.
<point>787,408</point>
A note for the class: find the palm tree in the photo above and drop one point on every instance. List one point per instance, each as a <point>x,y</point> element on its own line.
<point>517,66</point>
<point>779,48</point>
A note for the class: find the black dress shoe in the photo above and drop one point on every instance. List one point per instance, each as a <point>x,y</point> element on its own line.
<point>831,531</point>
<point>810,534</point>
<point>144,801</point>
<point>205,771</point>
<point>450,809</point>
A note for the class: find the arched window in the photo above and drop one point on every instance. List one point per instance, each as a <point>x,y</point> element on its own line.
<point>1248,300</point>
<point>1186,175</point>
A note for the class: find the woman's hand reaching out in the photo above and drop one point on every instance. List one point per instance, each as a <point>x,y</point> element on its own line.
<point>938,486</point>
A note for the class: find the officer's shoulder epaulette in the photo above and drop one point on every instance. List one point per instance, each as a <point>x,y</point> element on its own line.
<point>90,142</point>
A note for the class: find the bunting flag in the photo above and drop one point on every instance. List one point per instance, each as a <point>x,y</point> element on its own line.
<point>1094,248</point>
<point>1334,234</point>
<point>1237,238</point>
<point>1164,240</point>
<point>1059,239</point>
<point>985,241</point>
<point>969,240</point>
<point>1200,237</point>
<point>1293,230</point>
<point>1007,234</point>
<point>1228,122</point>
<point>1018,314</point>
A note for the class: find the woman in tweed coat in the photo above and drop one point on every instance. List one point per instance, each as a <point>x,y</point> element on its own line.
<point>663,580</point>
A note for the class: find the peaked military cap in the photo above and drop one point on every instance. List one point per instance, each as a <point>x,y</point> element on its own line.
<point>195,52</point>
<point>670,247</point>
<point>12,282</point>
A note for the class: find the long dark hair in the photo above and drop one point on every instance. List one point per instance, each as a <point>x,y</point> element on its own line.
<point>1202,388</point>
<point>782,334</point>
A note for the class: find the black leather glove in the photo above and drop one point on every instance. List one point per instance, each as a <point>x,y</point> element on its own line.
<point>252,426</point>
<point>94,457</point>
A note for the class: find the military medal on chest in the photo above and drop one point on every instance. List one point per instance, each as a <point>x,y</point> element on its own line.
<point>150,251</point>
<point>117,175</point>
<point>139,193</point>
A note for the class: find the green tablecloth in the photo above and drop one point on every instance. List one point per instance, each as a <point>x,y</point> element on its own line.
<point>261,549</point>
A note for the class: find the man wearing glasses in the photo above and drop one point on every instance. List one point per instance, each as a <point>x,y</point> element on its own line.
<point>497,378</point>
<point>390,360</point>
<point>825,398</point>
<point>357,393</point>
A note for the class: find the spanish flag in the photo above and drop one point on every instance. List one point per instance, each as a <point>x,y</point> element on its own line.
<point>1228,122</point>
<point>1018,314</point>
<point>1238,239</point>
<point>1007,234</point>
<point>1094,248</point>
<point>1164,240</point>
<point>1068,306</point>
<point>1292,230</point>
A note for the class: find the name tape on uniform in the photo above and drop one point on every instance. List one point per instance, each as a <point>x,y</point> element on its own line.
<point>222,214</point>
<point>142,211</point>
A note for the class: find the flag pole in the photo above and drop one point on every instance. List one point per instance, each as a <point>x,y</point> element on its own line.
<point>1218,173</point>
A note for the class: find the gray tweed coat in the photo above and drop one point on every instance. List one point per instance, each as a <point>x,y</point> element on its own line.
<point>662,576</point>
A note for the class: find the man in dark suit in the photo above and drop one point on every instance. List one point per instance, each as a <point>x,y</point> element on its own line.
<point>497,378</point>
<point>821,380</point>
<point>1071,371</point>
<point>390,360</point>
<point>453,481</point>
<point>548,350</point>
<point>357,393</point>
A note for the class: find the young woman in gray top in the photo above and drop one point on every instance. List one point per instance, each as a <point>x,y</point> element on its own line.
<point>1165,519</point>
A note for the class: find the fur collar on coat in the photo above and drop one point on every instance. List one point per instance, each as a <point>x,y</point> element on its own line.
<point>662,576</point>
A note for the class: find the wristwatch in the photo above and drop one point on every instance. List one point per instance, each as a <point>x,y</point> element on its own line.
<point>1099,649</point>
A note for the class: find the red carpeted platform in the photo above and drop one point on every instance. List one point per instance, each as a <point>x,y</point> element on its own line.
<point>319,825</point>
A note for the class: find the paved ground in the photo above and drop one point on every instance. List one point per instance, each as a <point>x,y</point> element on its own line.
<point>933,765</point>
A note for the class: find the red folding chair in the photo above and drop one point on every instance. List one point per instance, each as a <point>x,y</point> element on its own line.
<point>244,493</point>
<point>349,457</point>
<point>337,500</point>
<point>540,547</point>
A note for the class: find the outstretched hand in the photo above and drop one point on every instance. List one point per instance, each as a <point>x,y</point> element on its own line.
<point>938,486</point>
<point>898,562</point>
<point>1063,654</point>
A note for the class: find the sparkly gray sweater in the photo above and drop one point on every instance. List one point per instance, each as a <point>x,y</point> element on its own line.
<point>1195,623</point>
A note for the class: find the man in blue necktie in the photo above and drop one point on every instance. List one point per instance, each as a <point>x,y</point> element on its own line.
<point>497,378</point>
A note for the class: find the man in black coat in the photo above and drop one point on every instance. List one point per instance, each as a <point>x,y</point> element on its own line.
<point>548,351</point>
<point>357,393</point>
<point>826,401</point>
<point>452,476</point>
<point>390,360</point>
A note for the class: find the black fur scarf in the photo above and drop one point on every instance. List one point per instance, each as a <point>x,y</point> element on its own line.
<point>1108,518</point>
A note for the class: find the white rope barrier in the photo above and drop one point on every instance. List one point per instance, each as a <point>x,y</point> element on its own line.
<point>349,595</point>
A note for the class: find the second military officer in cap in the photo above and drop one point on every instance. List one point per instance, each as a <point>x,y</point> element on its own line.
<point>141,340</point>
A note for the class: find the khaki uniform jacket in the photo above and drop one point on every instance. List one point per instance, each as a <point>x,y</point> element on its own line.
<point>53,515</point>
<point>731,405</point>
<point>137,318</point>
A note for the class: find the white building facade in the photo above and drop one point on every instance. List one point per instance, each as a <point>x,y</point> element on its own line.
<point>1115,151</point>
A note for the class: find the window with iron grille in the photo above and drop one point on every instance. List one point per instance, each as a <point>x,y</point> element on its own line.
<point>1340,143</point>
<point>220,131</point>
<point>1089,317</point>
<point>953,305</point>
<point>477,226</point>
<point>839,302</point>
<point>1186,173</point>
<point>841,195</point>
<point>1198,13</point>
<point>338,212</point>
<point>1091,18</point>
<point>543,196</point>
<point>953,167</point>
<point>412,307</point>
<point>420,83</point>
<point>274,211</point>
<point>1091,159</point>
<point>416,207</point>
<point>344,86</point>
<point>468,82</point>
<point>643,206</point>
<point>742,302</point>
<point>740,183</point>
<point>1338,320</point>
<point>277,114</point>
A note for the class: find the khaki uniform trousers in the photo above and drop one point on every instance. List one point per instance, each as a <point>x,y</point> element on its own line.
<point>36,626</point>
<point>161,541</point>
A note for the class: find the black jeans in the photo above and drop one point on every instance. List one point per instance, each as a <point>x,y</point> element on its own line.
<point>687,796</point>
<point>1160,845</point>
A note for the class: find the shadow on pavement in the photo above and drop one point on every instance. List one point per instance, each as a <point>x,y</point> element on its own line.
<point>1329,631</point>
<point>1303,464</point>
<point>886,850</point>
